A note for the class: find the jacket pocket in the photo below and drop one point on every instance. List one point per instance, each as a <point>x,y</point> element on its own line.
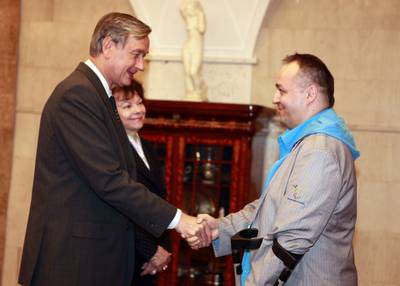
<point>90,230</point>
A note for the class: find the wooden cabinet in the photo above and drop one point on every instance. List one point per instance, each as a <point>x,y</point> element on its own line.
<point>205,149</point>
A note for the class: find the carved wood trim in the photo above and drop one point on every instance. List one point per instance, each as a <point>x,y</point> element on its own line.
<point>197,124</point>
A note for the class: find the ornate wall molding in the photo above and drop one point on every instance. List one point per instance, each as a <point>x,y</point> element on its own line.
<point>232,28</point>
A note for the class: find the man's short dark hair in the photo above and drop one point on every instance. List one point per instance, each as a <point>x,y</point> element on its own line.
<point>315,71</point>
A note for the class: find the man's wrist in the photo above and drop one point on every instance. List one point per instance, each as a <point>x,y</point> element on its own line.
<point>175,220</point>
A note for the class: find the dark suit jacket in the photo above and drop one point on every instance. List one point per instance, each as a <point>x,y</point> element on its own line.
<point>85,199</point>
<point>146,244</point>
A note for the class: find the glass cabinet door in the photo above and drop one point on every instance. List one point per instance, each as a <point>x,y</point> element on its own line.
<point>207,183</point>
<point>207,179</point>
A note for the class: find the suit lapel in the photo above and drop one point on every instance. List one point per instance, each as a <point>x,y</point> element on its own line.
<point>123,137</point>
<point>151,175</point>
<point>141,167</point>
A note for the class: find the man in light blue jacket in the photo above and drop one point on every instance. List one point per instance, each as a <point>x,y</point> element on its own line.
<point>308,203</point>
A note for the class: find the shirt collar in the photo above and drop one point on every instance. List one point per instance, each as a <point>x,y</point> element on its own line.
<point>103,80</point>
<point>291,136</point>
<point>325,122</point>
<point>134,137</point>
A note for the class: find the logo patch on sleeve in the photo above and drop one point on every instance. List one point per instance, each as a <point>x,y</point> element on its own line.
<point>295,194</point>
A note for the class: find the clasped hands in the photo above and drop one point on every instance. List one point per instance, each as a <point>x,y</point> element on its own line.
<point>198,231</point>
<point>157,263</point>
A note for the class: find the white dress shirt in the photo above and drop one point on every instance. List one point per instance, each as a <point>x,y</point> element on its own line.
<point>103,80</point>
<point>137,144</point>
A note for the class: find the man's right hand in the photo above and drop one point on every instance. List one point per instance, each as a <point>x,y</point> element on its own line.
<point>212,224</point>
<point>198,233</point>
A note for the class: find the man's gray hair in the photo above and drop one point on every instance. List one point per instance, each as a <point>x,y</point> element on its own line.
<point>117,26</point>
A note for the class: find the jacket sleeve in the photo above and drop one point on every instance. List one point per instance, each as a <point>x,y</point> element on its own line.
<point>230,225</point>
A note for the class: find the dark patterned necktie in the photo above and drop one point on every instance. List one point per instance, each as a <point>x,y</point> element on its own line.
<point>114,106</point>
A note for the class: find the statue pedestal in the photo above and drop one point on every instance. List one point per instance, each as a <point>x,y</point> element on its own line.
<point>196,95</point>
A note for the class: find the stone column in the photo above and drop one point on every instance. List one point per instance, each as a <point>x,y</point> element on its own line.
<point>9,24</point>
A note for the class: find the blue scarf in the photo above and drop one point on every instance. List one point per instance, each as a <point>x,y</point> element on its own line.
<point>325,122</point>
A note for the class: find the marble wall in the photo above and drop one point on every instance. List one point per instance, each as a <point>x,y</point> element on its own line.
<point>359,41</point>
<point>9,23</point>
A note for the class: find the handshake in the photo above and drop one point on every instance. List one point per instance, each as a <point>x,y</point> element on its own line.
<point>198,231</point>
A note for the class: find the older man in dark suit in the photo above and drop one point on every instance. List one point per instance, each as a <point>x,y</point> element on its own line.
<point>86,202</point>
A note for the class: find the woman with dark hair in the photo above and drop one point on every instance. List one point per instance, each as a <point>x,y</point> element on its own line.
<point>152,254</point>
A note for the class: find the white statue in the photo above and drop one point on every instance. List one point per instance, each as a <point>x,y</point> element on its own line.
<point>192,12</point>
